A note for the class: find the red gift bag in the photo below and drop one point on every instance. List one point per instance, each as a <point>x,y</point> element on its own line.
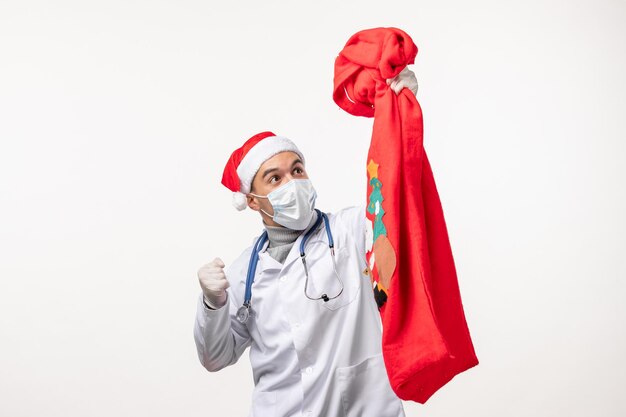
<point>426,341</point>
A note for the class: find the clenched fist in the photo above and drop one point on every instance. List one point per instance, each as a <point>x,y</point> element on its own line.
<point>213,283</point>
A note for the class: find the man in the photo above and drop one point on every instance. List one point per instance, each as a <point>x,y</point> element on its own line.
<point>314,332</point>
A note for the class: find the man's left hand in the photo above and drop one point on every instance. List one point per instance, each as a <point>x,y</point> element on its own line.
<point>406,78</point>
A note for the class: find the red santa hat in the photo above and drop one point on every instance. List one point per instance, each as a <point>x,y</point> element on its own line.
<point>245,161</point>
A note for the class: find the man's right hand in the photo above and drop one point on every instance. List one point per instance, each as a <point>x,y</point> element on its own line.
<point>213,283</point>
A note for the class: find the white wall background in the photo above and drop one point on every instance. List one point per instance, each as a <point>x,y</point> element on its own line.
<point>116,118</point>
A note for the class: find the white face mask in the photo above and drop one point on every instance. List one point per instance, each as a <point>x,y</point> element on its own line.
<point>293,203</point>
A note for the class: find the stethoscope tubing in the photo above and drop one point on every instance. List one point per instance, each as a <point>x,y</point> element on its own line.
<point>244,311</point>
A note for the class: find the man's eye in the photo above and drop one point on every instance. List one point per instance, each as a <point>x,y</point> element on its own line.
<point>274,177</point>
<point>298,170</point>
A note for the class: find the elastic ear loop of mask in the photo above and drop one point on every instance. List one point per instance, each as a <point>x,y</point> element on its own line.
<point>263,196</point>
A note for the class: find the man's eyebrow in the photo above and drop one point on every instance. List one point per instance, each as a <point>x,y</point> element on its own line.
<point>270,170</point>
<point>267,171</point>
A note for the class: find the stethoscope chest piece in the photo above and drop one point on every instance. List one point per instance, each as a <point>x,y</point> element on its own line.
<point>243,313</point>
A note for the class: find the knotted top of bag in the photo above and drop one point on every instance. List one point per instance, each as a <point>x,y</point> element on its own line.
<point>365,62</point>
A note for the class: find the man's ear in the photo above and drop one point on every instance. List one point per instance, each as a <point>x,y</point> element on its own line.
<point>252,203</point>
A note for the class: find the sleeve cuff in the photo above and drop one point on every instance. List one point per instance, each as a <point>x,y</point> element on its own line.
<point>208,306</point>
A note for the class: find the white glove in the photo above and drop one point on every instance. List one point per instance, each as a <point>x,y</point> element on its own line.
<point>406,78</point>
<point>213,283</point>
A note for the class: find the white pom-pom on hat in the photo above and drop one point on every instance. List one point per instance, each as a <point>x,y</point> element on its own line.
<point>239,200</point>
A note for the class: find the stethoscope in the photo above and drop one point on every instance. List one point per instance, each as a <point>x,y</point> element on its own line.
<point>244,311</point>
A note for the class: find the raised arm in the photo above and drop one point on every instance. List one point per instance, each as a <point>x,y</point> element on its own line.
<point>220,338</point>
